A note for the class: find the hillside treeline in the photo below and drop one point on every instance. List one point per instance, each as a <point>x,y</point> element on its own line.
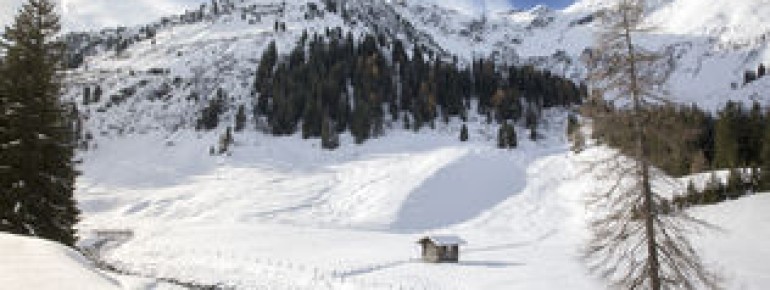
<point>334,83</point>
<point>686,140</point>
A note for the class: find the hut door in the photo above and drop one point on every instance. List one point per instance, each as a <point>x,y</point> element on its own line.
<point>446,253</point>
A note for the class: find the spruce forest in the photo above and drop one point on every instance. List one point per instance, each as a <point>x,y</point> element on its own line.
<point>331,84</point>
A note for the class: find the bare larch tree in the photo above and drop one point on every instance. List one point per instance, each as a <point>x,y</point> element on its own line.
<point>638,241</point>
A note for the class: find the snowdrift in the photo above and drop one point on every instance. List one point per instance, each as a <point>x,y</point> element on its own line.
<point>29,263</point>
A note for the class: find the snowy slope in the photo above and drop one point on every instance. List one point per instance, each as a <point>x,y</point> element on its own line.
<point>740,246</point>
<point>279,214</point>
<point>708,44</point>
<point>29,263</point>
<point>282,214</point>
<point>708,47</point>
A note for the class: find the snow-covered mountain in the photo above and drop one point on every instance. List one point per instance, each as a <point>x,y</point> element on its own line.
<point>708,47</point>
<point>281,214</point>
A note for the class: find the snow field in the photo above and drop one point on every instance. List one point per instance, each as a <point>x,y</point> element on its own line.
<point>289,216</point>
<point>282,214</point>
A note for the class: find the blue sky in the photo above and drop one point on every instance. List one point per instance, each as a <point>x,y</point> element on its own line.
<point>93,14</point>
<point>550,3</point>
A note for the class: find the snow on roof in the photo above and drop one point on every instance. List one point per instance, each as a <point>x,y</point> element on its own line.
<point>444,240</point>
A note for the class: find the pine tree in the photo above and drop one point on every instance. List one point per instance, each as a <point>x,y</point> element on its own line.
<point>725,141</point>
<point>240,119</point>
<point>97,94</point>
<point>502,136</point>
<point>329,138</point>
<point>86,95</point>
<point>764,183</point>
<point>573,124</point>
<point>692,193</point>
<point>513,140</point>
<point>713,192</point>
<point>225,141</point>
<point>761,71</point>
<point>533,135</point>
<point>214,7</point>
<point>265,71</point>
<point>37,171</point>
<point>464,133</point>
<point>735,184</point>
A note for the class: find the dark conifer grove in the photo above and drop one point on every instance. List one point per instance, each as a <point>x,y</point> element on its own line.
<point>334,83</point>
<point>688,140</point>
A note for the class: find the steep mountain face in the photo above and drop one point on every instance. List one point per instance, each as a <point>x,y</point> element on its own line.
<point>146,75</point>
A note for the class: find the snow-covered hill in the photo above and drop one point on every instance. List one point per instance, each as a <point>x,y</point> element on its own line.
<point>147,87</point>
<point>35,264</point>
<point>280,213</point>
<point>30,263</point>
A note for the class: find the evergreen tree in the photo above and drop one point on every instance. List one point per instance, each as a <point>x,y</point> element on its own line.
<point>240,119</point>
<point>761,71</point>
<point>533,135</point>
<point>86,95</point>
<point>464,133</point>
<point>97,94</point>
<point>749,76</point>
<point>265,73</point>
<point>502,136</point>
<point>573,124</point>
<point>752,135</point>
<point>513,140</point>
<point>214,7</point>
<point>329,138</point>
<point>725,143</point>
<point>764,183</point>
<point>713,192</point>
<point>735,184</point>
<point>692,193</point>
<point>225,141</point>
<point>37,171</point>
<point>506,136</point>
<point>209,118</point>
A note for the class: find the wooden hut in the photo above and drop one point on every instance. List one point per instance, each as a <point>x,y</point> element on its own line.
<point>441,248</point>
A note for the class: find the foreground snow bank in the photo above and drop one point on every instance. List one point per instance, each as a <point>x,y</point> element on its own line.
<point>740,246</point>
<point>29,263</point>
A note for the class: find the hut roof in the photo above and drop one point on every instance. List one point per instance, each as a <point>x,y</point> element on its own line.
<point>443,240</point>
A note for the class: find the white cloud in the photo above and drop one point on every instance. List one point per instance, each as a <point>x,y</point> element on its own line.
<point>95,14</point>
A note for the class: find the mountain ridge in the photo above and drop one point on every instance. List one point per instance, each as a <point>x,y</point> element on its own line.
<point>223,48</point>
